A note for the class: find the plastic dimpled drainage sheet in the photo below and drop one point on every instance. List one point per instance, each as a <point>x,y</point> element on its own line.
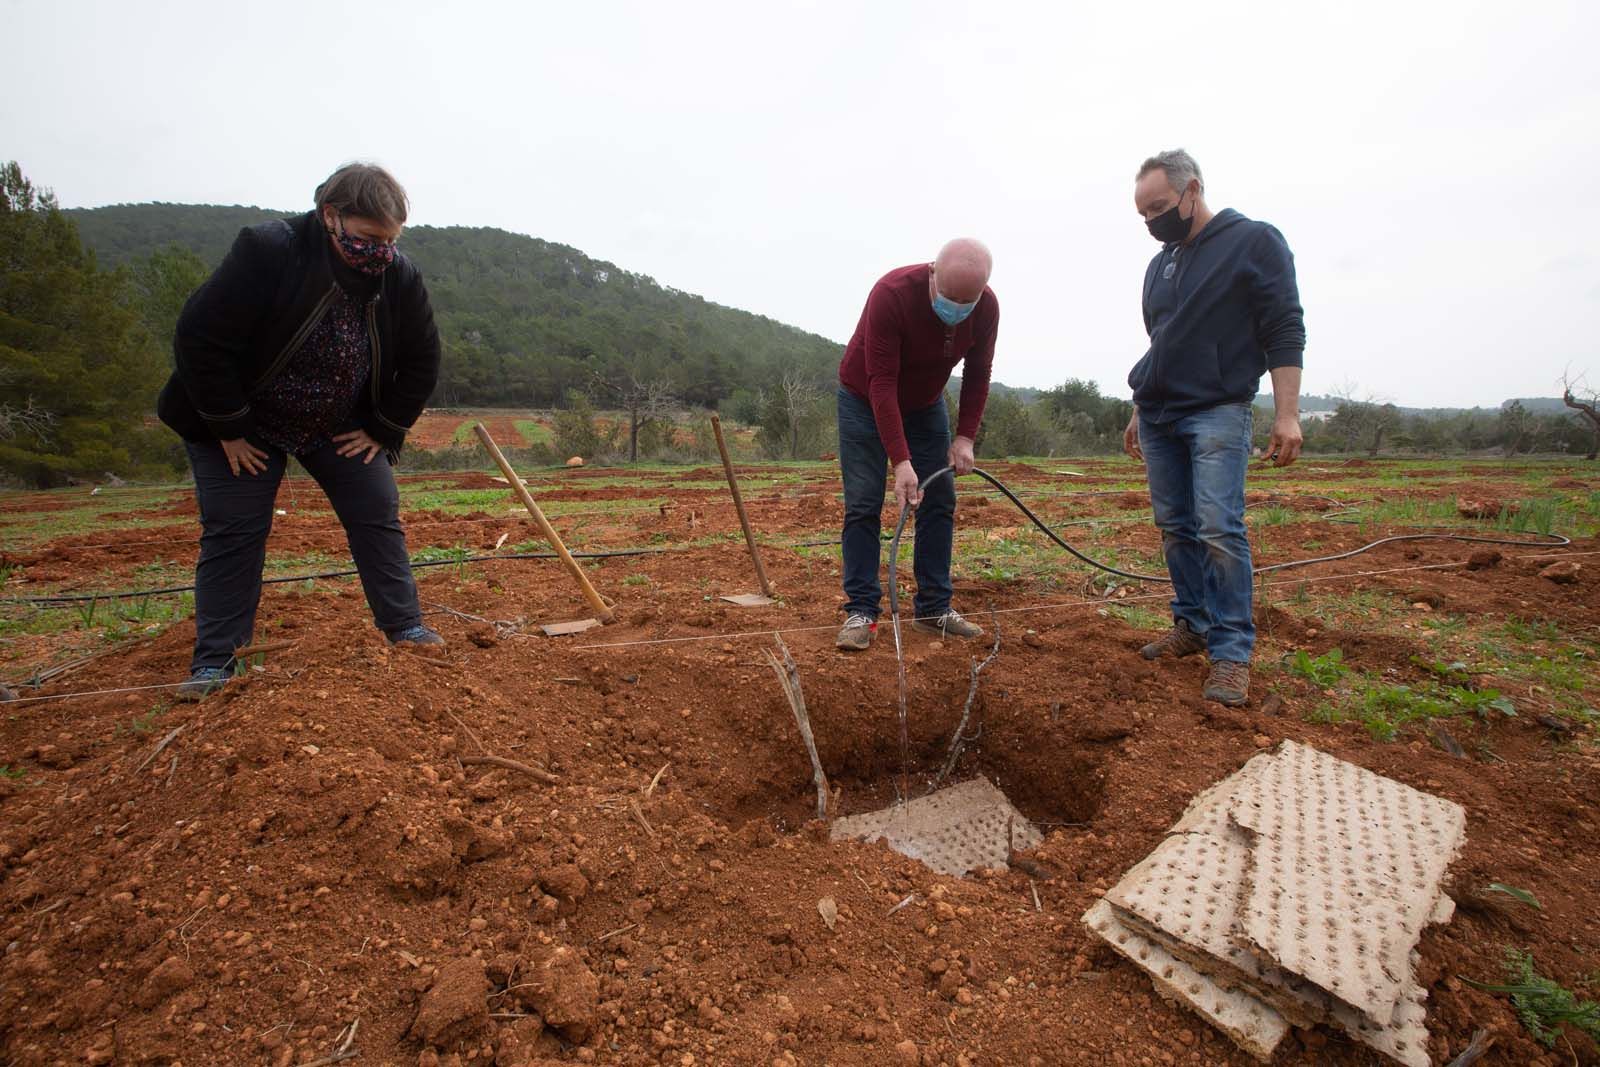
<point>1253,1026</point>
<point>1294,835</point>
<point>1346,870</point>
<point>953,830</point>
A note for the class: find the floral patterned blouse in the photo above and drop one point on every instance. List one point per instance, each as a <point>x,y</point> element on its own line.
<point>313,396</point>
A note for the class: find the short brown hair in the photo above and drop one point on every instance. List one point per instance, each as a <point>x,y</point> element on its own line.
<point>365,190</point>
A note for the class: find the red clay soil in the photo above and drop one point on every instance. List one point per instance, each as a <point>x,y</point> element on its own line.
<point>320,844</point>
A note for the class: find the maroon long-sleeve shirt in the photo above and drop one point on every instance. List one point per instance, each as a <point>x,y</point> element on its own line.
<point>902,355</point>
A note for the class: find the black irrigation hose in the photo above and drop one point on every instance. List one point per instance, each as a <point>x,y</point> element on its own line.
<point>129,594</point>
<point>1548,541</point>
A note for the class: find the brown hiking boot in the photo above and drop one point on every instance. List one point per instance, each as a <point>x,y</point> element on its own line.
<point>1229,683</point>
<point>1179,641</point>
<point>856,633</point>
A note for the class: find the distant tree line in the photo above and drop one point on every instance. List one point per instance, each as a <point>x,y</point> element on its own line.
<point>634,368</point>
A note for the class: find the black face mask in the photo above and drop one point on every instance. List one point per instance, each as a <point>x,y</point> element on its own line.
<point>1169,226</point>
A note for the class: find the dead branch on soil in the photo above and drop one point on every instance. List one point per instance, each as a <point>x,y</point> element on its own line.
<point>1481,1044</point>
<point>343,1047</point>
<point>262,649</point>
<point>958,742</point>
<point>474,737</point>
<point>40,677</point>
<point>536,773</point>
<point>638,813</point>
<point>163,743</point>
<point>789,678</point>
<point>502,627</point>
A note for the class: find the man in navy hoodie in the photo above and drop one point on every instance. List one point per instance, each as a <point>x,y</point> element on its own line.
<point>1221,307</point>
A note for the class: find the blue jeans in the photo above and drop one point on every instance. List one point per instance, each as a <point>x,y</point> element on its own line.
<point>863,462</point>
<point>1196,466</point>
<point>236,517</point>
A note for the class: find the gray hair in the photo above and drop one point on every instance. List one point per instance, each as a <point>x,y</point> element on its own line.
<point>1179,167</point>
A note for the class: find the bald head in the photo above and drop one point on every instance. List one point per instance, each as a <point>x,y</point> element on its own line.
<point>962,270</point>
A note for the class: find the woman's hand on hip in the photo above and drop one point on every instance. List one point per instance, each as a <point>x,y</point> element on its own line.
<point>243,456</point>
<point>355,443</point>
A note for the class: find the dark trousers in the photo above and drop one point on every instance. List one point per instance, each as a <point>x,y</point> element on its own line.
<point>863,461</point>
<point>236,517</point>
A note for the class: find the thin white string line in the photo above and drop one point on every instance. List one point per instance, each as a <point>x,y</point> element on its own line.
<point>90,693</point>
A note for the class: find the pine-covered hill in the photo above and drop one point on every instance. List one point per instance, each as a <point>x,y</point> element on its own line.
<point>523,320</point>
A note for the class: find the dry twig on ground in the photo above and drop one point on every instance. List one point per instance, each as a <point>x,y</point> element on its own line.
<point>163,743</point>
<point>959,740</point>
<point>538,774</point>
<point>789,678</point>
<point>1481,1043</point>
<point>343,1047</point>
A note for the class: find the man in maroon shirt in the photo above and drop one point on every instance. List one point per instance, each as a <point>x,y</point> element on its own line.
<point>919,322</point>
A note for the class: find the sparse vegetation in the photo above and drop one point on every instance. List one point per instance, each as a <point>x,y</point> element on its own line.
<point>1543,1005</point>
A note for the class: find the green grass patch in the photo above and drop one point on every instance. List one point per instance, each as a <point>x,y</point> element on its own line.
<point>1272,515</point>
<point>1325,671</point>
<point>1139,617</point>
<point>1527,630</point>
<point>1543,1005</point>
<point>534,433</point>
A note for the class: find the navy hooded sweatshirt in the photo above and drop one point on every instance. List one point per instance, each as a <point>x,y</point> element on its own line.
<point>1220,312</point>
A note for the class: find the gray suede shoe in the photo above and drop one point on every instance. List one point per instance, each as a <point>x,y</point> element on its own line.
<point>950,624</point>
<point>856,633</point>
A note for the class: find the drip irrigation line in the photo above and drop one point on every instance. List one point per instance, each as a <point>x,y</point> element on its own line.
<point>127,594</point>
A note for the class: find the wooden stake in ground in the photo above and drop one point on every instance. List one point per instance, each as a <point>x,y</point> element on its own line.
<point>601,611</point>
<point>738,505</point>
<point>789,677</point>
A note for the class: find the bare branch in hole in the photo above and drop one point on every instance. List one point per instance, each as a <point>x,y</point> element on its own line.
<point>789,678</point>
<point>959,740</point>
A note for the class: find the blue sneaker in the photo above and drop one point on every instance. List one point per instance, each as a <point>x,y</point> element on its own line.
<point>415,635</point>
<point>202,683</point>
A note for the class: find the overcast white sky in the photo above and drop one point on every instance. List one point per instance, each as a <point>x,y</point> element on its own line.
<point>1435,167</point>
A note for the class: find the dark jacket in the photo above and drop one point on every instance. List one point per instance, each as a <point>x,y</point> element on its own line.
<point>239,330</point>
<point>1220,313</point>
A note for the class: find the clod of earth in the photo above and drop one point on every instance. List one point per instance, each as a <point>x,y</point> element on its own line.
<point>168,978</point>
<point>455,1006</point>
<point>562,989</point>
<point>1562,573</point>
<point>1489,508</point>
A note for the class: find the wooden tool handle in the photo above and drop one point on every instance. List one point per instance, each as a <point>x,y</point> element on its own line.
<point>738,505</point>
<point>598,605</point>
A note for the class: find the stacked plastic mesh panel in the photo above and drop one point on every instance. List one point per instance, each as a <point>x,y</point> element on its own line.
<point>1293,892</point>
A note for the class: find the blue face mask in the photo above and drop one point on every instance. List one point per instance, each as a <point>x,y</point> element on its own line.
<point>950,313</point>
